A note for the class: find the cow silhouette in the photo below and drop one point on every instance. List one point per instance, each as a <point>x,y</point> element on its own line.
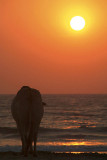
<point>27,110</point>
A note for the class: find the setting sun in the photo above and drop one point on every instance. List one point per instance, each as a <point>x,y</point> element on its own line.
<point>77,23</point>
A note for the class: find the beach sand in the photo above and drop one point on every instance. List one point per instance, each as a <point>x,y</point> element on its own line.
<point>53,156</point>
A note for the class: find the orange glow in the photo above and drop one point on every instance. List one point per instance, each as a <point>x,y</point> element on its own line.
<point>76,143</point>
<point>39,48</point>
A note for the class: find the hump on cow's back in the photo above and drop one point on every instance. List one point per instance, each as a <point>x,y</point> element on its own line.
<point>24,92</point>
<point>24,88</point>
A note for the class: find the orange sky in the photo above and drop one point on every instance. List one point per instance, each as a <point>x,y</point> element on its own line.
<point>38,47</point>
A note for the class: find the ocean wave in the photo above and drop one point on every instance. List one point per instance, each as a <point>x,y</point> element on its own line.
<point>68,113</point>
<point>9,130</point>
<point>81,136</point>
<point>79,148</point>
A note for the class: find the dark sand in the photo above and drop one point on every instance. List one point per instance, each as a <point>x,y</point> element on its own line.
<point>53,156</point>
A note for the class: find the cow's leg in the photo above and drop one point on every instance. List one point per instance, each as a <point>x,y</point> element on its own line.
<point>35,152</point>
<point>35,140</point>
<point>25,146</point>
<point>22,151</point>
<point>21,135</point>
<point>31,149</point>
<point>24,141</point>
<point>29,142</point>
<point>30,137</point>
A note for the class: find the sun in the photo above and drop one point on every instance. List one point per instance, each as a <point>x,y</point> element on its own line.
<point>77,23</point>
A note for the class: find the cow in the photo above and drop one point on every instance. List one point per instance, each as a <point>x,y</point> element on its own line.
<point>27,110</point>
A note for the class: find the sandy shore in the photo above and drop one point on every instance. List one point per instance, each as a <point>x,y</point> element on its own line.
<point>53,156</point>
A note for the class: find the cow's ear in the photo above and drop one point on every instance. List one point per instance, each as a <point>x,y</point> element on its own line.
<point>43,103</point>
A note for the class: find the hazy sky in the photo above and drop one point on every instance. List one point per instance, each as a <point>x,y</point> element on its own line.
<point>38,47</point>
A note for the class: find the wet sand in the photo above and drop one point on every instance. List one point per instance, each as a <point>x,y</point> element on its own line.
<point>53,156</point>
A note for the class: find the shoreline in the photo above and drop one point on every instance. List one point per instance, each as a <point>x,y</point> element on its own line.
<point>45,155</point>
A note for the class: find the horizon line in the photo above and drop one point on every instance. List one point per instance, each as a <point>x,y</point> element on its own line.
<point>60,93</point>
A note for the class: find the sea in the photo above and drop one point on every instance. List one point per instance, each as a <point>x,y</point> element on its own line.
<point>71,123</point>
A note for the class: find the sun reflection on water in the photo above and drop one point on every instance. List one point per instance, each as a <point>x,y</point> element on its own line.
<point>76,143</point>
